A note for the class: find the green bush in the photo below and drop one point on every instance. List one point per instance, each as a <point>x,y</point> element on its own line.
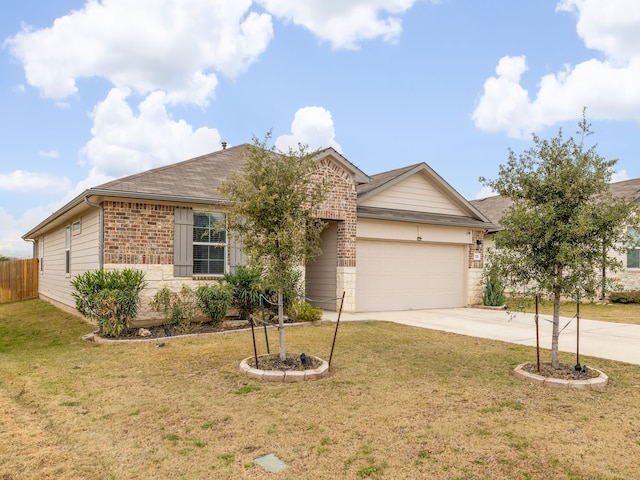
<point>304,312</point>
<point>214,300</point>
<point>111,298</point>
<point>246,286</point>
<point>493,293</point>
<point>178,309</point>
<point>632,296</point>
<point>293,289</point>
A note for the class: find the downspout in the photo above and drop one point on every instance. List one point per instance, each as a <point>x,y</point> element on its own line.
<point>100,230</point>
<point>33,247</point>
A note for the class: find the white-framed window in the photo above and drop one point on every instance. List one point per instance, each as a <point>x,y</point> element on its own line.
<point>209,243</point>
<point>633,248</point>
<point>67,249</point>
<point>76,227</point>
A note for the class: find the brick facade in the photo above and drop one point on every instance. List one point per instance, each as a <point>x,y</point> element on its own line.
<point>476,249</point>
<point>138,233</point>
<point>341,205</point>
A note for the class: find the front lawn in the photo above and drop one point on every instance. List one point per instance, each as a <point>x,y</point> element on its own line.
<point>607,312</point>
<point>400,403</point>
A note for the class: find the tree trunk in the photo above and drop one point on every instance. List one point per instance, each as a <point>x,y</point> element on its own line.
<point>555,334</point>
<point>283,355</point>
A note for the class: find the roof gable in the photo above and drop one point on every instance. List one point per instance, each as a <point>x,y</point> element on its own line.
<point>358,175</point>
<point>416,188</point>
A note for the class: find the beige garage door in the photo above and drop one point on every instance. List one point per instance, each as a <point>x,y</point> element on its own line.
<point>409,276</point>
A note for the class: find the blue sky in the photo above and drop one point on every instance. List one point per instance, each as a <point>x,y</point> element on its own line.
<point>95,90</point>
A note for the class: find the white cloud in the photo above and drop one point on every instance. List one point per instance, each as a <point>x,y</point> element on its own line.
<point>124,142</point>
<point>146,45</point>
<point>486,192</point>
<point>48,154</point>
<point>26,182</point>
<point>312,126</point>
<point>344,23</point>
<point>608,88</point>
<point>619,176</point>
<point>505,100</point>
<point>12,229</point>
<point>610,27</point>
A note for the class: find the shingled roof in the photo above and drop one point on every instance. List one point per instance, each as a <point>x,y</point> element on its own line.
<point>494,207</point>
<point>194,181</point>
<point>196,178</point>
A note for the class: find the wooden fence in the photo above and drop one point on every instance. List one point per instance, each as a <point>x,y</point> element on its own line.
<point>18,280</point>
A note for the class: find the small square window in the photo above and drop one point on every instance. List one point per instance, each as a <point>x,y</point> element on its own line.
<point>76,227</point>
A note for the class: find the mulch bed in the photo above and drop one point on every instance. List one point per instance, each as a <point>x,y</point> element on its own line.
<point>195,328</point>
<point>161,331</point>
<point>291,362</point>
<point>563,372</point>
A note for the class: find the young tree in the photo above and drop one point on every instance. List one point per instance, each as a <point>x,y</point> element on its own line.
<point>272,203</point>
<point>564,223</point>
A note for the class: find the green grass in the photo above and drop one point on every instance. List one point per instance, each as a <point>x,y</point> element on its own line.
<point>607,312</point>
<point>400,402</point>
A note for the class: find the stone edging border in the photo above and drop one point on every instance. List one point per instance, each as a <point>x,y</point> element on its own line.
<point>92,337</point>
<point>598,383</point>
<point>284,375</point>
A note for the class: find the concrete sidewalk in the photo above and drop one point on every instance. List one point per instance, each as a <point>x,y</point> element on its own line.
<point>615,341</point>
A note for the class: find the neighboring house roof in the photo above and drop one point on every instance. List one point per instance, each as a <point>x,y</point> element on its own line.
<point>473,218</point>
<point>494,207</point>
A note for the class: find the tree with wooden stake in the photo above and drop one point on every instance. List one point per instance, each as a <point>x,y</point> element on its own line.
<point>562,219</point>
<point>272,203</point>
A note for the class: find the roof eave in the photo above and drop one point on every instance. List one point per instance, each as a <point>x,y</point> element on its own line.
<point>444,221</point>
<point>94,193</point>
<point>360,176</point>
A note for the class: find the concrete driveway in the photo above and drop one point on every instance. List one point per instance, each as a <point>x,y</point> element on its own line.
<point>615,341</point>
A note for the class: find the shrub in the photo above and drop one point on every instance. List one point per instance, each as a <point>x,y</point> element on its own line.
<point>493,293</point>
<point>304,312</point>
<point>292,290</point>
<point>178,309</point>
<point>111,312</point>
<point>214,300</point>
<point>246,286</point>
<point>632,296</point>
<point>111,298</point>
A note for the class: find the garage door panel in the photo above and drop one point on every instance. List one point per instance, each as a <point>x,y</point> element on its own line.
<point>404,276</point>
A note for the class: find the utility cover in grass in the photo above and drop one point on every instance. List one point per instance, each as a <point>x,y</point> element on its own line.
<point>271,463</point>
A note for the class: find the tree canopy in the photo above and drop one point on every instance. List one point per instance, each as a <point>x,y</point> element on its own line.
<point>564,225</point>
<point>273,200</point>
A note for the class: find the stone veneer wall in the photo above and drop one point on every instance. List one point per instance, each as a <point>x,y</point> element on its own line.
<point>475,282</point>
<point>628,278</point>
<point>157,276</point>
